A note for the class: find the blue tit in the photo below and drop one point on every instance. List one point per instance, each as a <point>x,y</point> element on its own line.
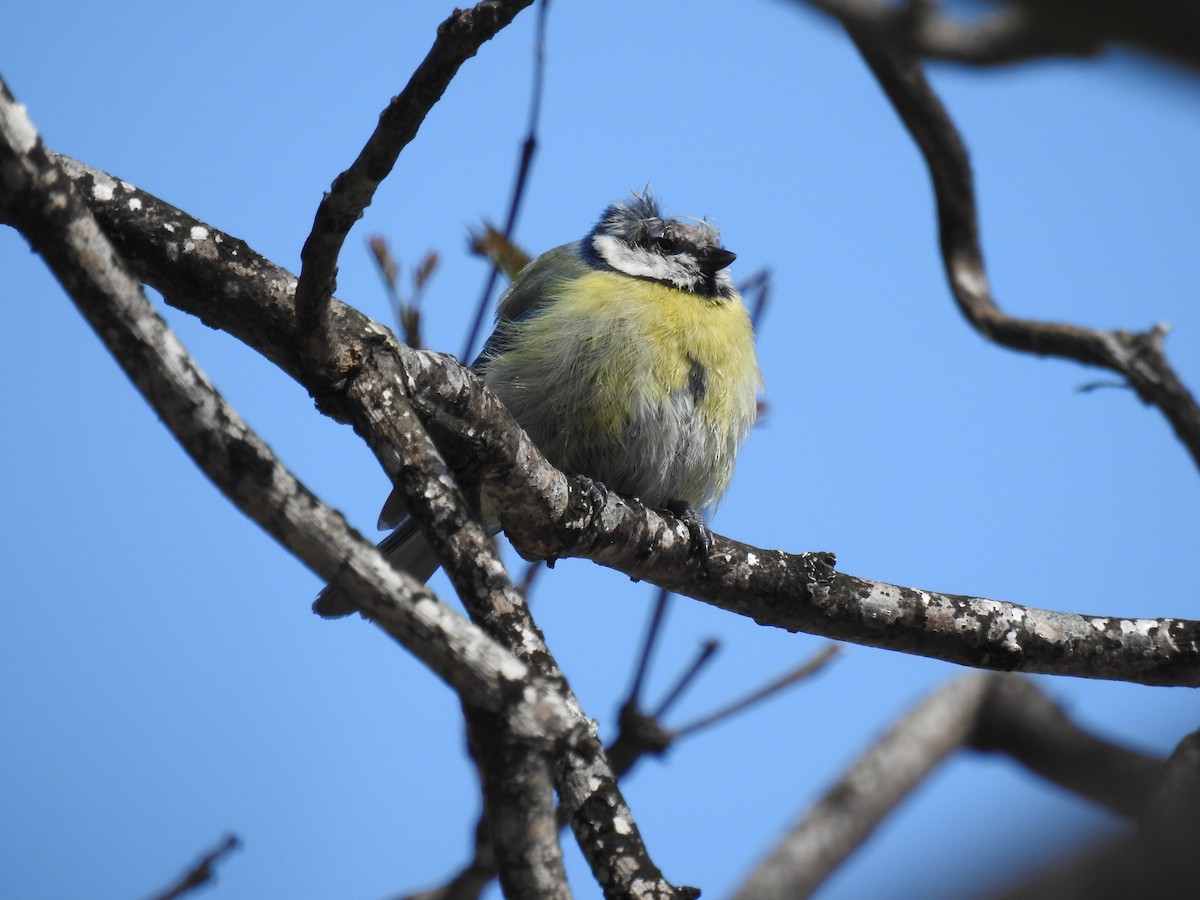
<point>628,357</point>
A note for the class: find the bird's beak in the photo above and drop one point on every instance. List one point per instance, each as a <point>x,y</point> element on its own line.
<point>714,259</point>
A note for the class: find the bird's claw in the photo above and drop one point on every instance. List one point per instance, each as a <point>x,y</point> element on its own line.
<point>700,533</point>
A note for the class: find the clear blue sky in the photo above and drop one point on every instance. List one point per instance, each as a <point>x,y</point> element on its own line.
<point>163,681</point>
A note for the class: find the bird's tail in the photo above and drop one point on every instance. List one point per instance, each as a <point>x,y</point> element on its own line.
<point>405,548</point>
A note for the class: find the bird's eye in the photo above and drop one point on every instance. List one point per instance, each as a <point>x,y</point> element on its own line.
<point>665,244</point>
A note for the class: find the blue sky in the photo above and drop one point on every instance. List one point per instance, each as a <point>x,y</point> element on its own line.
<point>163,680</point>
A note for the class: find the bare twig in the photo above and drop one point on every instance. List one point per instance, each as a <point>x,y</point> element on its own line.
<point>687,677</point>
<point>801,672</point>
<point>458,39</point>
<point>202,872</point>
<point>869,790</point>
<point>1158,860</point>
<point>757,292</point>
<point>649,642</point>
<point>528,148</point>
<point>532,571</point>
<point>1136,356</point>
<point>639,736</point>
<point>406,309</point>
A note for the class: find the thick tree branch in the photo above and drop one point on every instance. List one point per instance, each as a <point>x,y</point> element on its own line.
<point>952,719</point>
<point>640,735</point>
<point>533,708</point>
<point>223,282</point>
<point>518,792</point>
<point>1159,860</point>
<point>1137,357</point>
<point>1020,30</point>
<point>1020,721</point>
<point>45,206</point>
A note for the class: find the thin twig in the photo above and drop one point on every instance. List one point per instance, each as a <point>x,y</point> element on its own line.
<point>528,148</point>
<point>801,672</point>
<point>202,872</point>
<point>688,677</point>
<point>649,642</point>
<point>757,291</point>
<point>459,37</point>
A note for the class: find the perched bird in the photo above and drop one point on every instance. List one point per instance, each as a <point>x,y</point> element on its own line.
<point>628,357</point>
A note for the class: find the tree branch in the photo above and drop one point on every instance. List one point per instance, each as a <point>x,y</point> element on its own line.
<point>221,280</point>
<point>1021,30</point>
<point>949,720</point>
<point>518,792</point>
<point>203,872</point>
<point>1137,357</point>
<point>458,39</point>
<point>45,206</point>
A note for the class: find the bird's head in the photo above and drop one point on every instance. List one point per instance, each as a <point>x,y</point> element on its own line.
<point>633,238</point>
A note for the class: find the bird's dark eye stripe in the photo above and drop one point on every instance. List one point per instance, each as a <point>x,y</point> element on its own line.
<point>666,244</point>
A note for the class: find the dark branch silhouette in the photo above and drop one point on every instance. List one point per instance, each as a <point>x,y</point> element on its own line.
<point>1020,30</point>
<point>997,713</point>
<point>1137,357</point>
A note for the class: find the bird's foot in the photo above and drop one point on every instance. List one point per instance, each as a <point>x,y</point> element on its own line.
<point>701,534</point>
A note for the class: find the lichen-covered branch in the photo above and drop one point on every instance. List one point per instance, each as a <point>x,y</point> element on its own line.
<point>222,281</point>
<point>531,708</point>
<point>518,801</point>
<point>46,207</point>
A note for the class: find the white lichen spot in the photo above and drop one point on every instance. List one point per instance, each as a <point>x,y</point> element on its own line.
<point>1005,627</point>
<point>103,190</point>
<point>880,606</point>
<point>22,136</point>
<point>752,559</point>
<point>199,233</point>
<point>1010,641</point>
<point>1098,623</point>
<point>622,825</point>
<point>135,204</point>
<point>1048,630</point>
<point>169,228</point>
<point>985,607</point>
